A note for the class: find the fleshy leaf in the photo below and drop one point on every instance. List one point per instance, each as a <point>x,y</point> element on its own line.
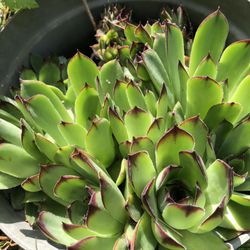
<point>137,122</point>
<point>100,134</point>
<point>198,129</point>
<point>31,184</point>
<point>226,111</point>
<point>135,96</point>
<point>182,216</point>
<point>198,88</point>
<point>143,143</point>
<point>86,106</point>
<point>46,146</point>
<point>73,133</point>
<point>166,237</point>
<point>112,198</point>
<point>236,141</point>
<point>81,70</point>
<point>234,64</point>
<point>10,133</point>
<point>31,88</point>
<point>156,129</point>
<point>207,67</point>
<point>193,170</point>
<point>51,226</point>
<point>155,69</point>
<point>70,188</point>
<point>143,235</point>
<point>140,170</point>
<point>49,73</point>
<point>169,146</point>
<point>44,113</point>
<point>49,175</point>
<point>110,72</point>
<point>7,181</point>
<point>16,162</point>
<point>241,96</point>
<point>99,220</point>
<point>209,38</point>
<point>118,127</point>
<point>120,96</point>
<point>93,243</point>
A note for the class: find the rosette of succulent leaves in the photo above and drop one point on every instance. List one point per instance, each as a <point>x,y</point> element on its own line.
<point>148,151</point>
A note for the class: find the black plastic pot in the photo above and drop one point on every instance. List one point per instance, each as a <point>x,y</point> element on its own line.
<point>62,27</point>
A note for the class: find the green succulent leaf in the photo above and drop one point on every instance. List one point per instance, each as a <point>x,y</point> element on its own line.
<point>166,237</point>
<point>193,170</point>
<point>209,38</point>
<point>99,219</point>
<point>142,35</point>
<point>207,67</point>
<point>112,198</point>
<point>73,133</point>
<point>48,178</point>
<point>94,242</point>
<point>82,70</point>
<point>137,122</point>
<point>156,130</point>
<point>148,198</point>
<point>77,232</point>
<point>140,171</point>
<point>198,129</point>
<point>16,162</point>
<point>46,146</point>
<point>31,88</point>
<point>150,100</point>
<point>183,76</point>
<point>234,64</point>
<point>49,73</point>
<point>21,4</point>
<point>162,103</point>
<point>31,184</point>
<point>170,45</point>
<point>129,32</point>
<point>135,96</point>
<point>169,146</point>
<point>7,181</point>
<point>70,188</point>
<point>236,217</point>
<point>28,142</point>
<point>207,240</point>
<point>87,105</point>
<point>225,111</point>
<point>241,96</point>
<point>10,132</point>
<point>143,143</point>
<point>182,216</point>
<point>100,134</point>
<point>236,141</point>
<point>84,165</point>
<point>155,69</point>
<point>143,235</point>
<point>117,126</point>
<point>110,72</point>
<point>28,74</point>
<point>41,108</point>
<point>198,88</point>
<point>120,96</point>
<point>51,226</point>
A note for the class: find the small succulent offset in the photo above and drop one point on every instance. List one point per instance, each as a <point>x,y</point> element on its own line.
<point>148,151</point>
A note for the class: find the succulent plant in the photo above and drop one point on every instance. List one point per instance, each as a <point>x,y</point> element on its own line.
<point>151,158</point>
<point>118,37</point>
